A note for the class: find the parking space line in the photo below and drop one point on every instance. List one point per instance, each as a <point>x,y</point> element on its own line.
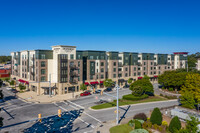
<point>74,115</point>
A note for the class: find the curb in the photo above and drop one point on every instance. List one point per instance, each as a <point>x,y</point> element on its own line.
<point>169,93</point>
<point>131,105</point>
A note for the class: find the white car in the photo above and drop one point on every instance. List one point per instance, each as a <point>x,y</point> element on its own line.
<point>9,88</point>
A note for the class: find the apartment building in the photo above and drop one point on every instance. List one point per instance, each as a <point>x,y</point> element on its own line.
<point>63,69</point>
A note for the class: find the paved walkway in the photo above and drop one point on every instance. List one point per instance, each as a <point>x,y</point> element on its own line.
<point>31,96</point>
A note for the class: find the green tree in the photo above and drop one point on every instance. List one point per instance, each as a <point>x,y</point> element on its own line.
<point>4,59</point>
<point>191,87</point>
<point>187,100</point>
<point>130,80</point>
<point>175,125</point>
<point>83,87</point>
<point>12,82</point>
<point>1,94</point>
<point>7,79</point>
<point>141,86</point>
<point>22,87</point>
<point>138,125</point>
<point>156,117</point>
<point>108,82</point>
<point>191,125</point>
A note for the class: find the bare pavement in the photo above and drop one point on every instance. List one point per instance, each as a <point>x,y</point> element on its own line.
<point>19,115</point>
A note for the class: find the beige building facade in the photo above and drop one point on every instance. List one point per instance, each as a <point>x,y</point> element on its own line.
<point>63,69</point>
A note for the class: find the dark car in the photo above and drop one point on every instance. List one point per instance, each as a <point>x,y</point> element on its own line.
<point>108,90</point>
<point>101,102</point>
<point>3,84</point>
<point>149,93</point>
<point>86,93</point>
<point>97,91</point>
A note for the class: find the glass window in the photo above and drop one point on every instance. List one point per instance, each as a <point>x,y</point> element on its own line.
<point>42,71</point>
<point>126,74</point>
<point>71,56</point>
<point>126,69</point>
<point>102,70</point>
<point>79,64</point>
<point>144,68</point>
<point>43,64</point>
<point>114,64</point>
<point>42,56</point>
<point>43,79</point>
<point>102,76</point>
<point>119,75</point>
<point>91,76</point>
<point>114,69</point>
<point>102,63</point>
<point>91,57</point>
<point>114,75</point>
<point>134,74</point>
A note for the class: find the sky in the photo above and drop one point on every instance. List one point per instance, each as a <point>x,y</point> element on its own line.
<point>150,26</point>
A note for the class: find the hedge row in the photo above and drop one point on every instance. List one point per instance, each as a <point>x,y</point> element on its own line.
<point>134,98</point>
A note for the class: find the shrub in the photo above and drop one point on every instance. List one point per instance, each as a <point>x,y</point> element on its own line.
<point>155,126</point>
<point>22,87</point>
<point>12,82</point>
<point>163,87</point>
<point>161,94</point>
<point>139,131</point>
<point>164,123</point>
<point>134,98</point>
<point>171,89</point>
<point>175,124</point>
<point>140,116</point>
<point>138,125</point>
<point>131,123</point>
<point>156,117</point>
<point>160,128</point>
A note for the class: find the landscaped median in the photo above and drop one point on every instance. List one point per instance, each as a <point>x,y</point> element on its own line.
<point>134,100</point>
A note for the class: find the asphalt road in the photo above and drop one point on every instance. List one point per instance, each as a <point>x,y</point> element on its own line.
<point>18,111</point>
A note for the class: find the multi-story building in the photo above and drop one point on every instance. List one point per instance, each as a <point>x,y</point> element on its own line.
<point>63,69</point>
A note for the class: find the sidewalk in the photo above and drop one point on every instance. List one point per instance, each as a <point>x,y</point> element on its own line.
<point>31,96</point>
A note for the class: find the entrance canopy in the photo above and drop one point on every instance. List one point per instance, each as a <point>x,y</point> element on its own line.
<point>23,81</point>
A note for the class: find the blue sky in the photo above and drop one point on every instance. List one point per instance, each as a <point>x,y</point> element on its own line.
<point>155,26</point>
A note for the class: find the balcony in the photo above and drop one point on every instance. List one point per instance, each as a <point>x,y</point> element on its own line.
<point>73,67</point>
<point>73,74</point>
<point>73,81</point>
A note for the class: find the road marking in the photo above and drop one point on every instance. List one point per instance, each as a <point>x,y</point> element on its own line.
<point>76,104</point>
<point>10,105</point>
<point>74,115</point>
<point>10,109</point>
<point>84,113</point>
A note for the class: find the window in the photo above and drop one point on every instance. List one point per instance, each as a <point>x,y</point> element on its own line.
<point>144,68</point>
<point>71,56</point>
<point>144,63</point>
<point>43,64</point>
<point>78,78</point>
<point>102,70</point>
<point>159,67</point>
<point>79,64</point>
<point>151,63</point>
<point>114,69</point>
<point>154,72</point>
<point>126,58</point>
<point>134,74</point>
<point>151,68</point>
<point>102,63</point>
<point>139,73</point>
<point>43,79</point>
<point>42,71</point>
<point>97,76</point>
<point>91,76</point>
<point>102,76</point>
<point>139,58</point>
<point>144,73</point>
<point>120,58</point>
<point>97,57</point>
<point>42,56</point>
<point>126,74</point>
<point>119,75</point>
<point>79,56</point>
<point>97,64</point>
<point>126,69</point>
<point>138,68</point>
<point>91,57</point>
<point>134,68</point>
<point>159,72</point>
<point>119,69</point>
<point>114,64</point>
<point>114,75</point>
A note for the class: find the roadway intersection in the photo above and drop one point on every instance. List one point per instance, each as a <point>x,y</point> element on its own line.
<point>19,111</point>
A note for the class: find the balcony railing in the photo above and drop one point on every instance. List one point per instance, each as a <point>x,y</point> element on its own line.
<point>74,67</point>
<point>73,81</point>
<point>73,74</point>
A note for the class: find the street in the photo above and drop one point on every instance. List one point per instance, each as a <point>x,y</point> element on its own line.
<point>20,112</point>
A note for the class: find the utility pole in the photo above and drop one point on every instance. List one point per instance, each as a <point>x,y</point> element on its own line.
<point>117,117</point>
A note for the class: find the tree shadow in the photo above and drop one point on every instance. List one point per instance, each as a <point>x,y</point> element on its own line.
<point>9,98</point>
<point>56,124</point>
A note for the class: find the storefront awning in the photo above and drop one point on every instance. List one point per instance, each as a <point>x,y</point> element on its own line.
<point>86,83</point>
<point>140,77</point>
<point>155,76</point>
<point>95,82</point>
<point>23,81</point>
<point>101,82</point>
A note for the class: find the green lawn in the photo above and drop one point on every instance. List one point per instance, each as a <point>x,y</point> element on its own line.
<point>124,128</point>
<point>127,102</point>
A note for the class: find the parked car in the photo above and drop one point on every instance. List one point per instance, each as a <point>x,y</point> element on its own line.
<point>86,93</point>
<point>97,91</point>
<point>108,90</point>
<point>149,93</point>
<point>3,84</point>
<point>1,100</point>
<point>101,101</point>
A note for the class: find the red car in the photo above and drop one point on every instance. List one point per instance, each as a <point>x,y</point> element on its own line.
<point>86,93</point>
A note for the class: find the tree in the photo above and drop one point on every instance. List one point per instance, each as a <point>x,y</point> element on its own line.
<point>1,94</point>
<point>4,59</point>
<point>191,125</point>
<point>108,82</point>
<point>191,87</point>
<point>156,117</point>
<point>141,86</point>
<point>12,82</point>
<point>187,100</point>
<point>22,87</point>
<point>7,79</point>
<point>83,87</point>
<point>130,80</point>
<point>175,125</point>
